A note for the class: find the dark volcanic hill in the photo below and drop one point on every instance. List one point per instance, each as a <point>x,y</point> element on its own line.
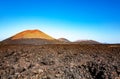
<point>64,40</point>
<point>34,37</point>
<point>86,42</point>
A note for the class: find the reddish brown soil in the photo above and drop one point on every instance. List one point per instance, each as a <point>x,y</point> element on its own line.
<point>32,34</point>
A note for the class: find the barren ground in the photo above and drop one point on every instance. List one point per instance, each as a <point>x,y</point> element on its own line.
<point>60,61</point>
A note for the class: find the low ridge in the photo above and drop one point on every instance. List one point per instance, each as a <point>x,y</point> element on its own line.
<point>87,42</point>
<point>63,40</point>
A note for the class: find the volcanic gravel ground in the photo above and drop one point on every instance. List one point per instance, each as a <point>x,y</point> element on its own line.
<point>60,61</point>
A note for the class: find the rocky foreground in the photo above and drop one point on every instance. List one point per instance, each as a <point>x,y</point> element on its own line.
<point>65,61</point>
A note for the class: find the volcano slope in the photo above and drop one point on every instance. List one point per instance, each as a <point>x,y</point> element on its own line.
<point>33,37</point>
<point>60,61</point>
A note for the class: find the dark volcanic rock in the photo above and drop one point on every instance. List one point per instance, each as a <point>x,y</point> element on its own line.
<point>60,61</point>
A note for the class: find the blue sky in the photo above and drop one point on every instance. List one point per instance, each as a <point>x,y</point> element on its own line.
<point>72,19</point>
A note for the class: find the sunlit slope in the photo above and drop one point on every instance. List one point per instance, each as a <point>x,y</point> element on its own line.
<point>32,34</point>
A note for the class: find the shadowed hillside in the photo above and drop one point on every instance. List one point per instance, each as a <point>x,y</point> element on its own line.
<point>31,41</point>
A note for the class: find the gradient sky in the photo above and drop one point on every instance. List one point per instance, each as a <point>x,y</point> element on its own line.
<point>72,19</point>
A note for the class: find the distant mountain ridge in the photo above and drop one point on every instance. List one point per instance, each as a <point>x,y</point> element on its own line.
<point>37,37</point>
<point>87,42</point>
